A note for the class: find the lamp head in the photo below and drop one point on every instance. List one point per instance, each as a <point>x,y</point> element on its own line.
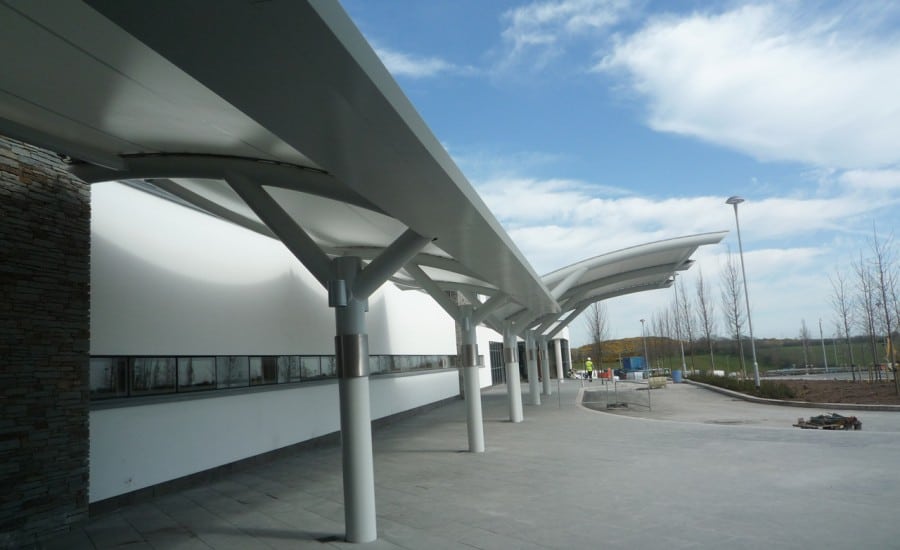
<point>734,200</point>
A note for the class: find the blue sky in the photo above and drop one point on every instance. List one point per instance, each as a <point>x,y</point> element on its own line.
<point>589,126</point>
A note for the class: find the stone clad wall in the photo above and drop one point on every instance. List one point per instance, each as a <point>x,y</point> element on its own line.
<point>44,345</point>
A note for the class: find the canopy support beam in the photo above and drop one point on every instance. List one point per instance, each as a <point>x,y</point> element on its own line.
<point>349,286</point>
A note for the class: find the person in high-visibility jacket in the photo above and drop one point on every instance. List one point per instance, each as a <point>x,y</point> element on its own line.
<point>589,369</point>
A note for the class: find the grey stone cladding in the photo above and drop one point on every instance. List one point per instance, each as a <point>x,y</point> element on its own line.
<point>44,345</point>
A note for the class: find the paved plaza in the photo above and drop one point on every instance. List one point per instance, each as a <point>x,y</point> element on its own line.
<point>696,470</point>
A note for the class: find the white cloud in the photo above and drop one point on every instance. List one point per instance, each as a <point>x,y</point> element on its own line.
<point>413,66</point>
<point>556,221</point>
<point>766,263</point>
<point>792,217</point>
<point>528,201</point>
<point>785,285</point>
<point>791,244</point>
<point>480,164</point>
<point>770,82</point>
<point>872,180</point>
<point>539,31</point>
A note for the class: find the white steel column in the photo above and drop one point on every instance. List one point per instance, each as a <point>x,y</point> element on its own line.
<point>352,350</point>
<point>534,393</point>
<point>557,349</point>
<point>513,384</point>
<point>545,365</point>
<point>471,382</point>
<point>467,320</point>
<point>349,287</point>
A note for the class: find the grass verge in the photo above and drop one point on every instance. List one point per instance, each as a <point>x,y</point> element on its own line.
<point>767,389</point>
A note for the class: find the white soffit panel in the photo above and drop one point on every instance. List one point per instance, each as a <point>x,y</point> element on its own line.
<point>284,80</point>
<point>304,72</point>
<point>88,80</point>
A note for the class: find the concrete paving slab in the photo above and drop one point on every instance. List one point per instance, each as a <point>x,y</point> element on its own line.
<point>112,532</point>
<point>74,539</point>
<point>699,470</point>
<point>690,403</point>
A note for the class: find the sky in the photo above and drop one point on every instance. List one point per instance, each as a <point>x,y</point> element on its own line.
<point>592,125</point>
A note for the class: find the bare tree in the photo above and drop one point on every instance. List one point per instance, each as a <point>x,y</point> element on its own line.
<point>834,342</point>
<point>731,304</point>
<point>672,335</point>
<point>840,300</point>
<point>678,321</point>
<point>866,303</point>
<point>654,336</point>
<point>883,264</point>
<point>662,329</point>
<point>804,340</point>
<point>895,299</point>
<point>598,329</point>
<point>706,314</point>
<point>687,319</point>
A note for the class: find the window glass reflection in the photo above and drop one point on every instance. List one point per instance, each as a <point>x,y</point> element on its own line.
<point>123,376</point>
<point>108,377</point>
<point>263,370</point>
<point>310,367</point>
<point>232,371</point>
<point>403,363</point>
<point>329,365</point>
<point>379,364</point>
<point>196,373</point>
<point>288,369</point>
<point>152,375</point>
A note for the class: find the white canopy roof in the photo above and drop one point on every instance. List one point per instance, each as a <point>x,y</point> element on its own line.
<point>285,93</point>
<point>634,269</point>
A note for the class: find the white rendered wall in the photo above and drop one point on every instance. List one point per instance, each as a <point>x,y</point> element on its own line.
<point>168,280</point>
<point>484,337</point>
<point>409,320</point>
<point>139,446</point>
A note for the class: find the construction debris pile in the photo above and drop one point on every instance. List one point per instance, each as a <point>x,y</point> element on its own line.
<point>831,421</point>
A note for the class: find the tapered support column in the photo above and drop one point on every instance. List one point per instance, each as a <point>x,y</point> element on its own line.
<point>513,383</point>
<point>557,350</point>
<point>352,350</point>
<point>471,382</point>
<point>349,287</point>
<point>534,393</point>
<point>545,365</point>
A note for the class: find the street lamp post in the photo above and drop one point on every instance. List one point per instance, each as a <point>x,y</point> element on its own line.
<point>735,201</point>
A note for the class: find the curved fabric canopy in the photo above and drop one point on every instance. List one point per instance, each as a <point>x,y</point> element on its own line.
<point>281,96</point>
<point>635,269</point>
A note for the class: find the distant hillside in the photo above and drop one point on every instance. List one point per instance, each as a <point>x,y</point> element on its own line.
<point>624,347</point>
<point>772,353</point>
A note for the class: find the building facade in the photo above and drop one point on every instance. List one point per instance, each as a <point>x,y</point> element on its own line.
<point>146,342</point>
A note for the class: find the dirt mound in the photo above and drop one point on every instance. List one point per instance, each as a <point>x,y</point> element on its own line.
<point>844,391</point>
